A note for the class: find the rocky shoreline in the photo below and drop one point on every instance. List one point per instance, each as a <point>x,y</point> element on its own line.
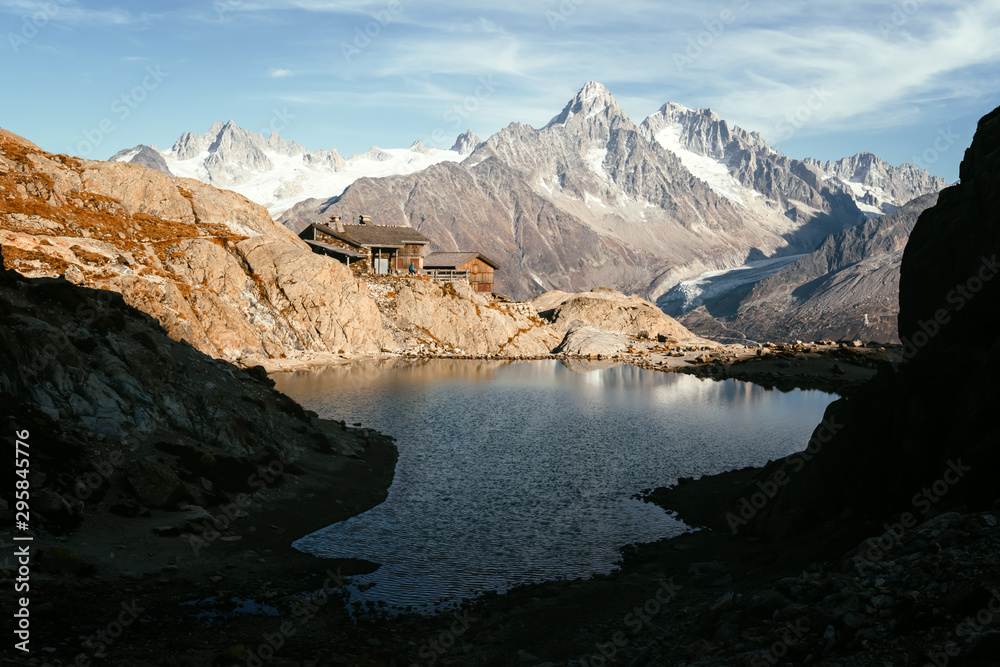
<point>823,365</point>
<point>185,562</point>
<point>857,593</point>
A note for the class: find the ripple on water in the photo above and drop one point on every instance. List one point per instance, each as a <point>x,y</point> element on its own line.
<point>512,473</point>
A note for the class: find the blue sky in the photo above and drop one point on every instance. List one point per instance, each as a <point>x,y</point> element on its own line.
<point>906,80</point>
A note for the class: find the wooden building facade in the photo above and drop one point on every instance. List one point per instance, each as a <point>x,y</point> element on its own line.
<point>472,266</point>
<point>378,249</point>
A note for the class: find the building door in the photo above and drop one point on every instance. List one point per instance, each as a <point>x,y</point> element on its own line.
<point>382,266</point>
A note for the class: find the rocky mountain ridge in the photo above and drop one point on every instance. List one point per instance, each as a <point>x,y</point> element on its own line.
<point>592,198</point>
<point>846,289</point>
<point>746,168</point>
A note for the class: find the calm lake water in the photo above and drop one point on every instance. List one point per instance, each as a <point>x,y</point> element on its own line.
<point>511,473</point>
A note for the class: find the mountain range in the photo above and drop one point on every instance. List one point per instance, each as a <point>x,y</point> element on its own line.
<point>276,173</point>
<point>589,199</point>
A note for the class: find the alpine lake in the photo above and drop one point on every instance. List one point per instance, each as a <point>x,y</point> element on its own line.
<point>521,472</point>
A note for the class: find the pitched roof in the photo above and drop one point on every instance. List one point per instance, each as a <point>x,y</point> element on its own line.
<point>381,236</point>
<point>328,249</point>
<point>451,260</point>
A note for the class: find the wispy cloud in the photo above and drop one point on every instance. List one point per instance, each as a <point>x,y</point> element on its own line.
<point>67,11</point>
<point>759,62</point>
<point>831,67</point>
<point>866,79</point>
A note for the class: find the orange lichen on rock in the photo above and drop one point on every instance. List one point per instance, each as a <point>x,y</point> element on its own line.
<point>20,260</point>
<point>26,188</point>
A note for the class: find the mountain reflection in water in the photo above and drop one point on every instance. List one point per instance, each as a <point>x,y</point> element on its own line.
<point>517,472</point>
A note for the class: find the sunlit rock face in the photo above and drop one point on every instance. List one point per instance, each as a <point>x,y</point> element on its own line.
<point>216,271</point>
<point>211,266</point>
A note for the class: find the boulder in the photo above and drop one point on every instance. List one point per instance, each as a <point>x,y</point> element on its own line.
<point>588,341</point>
<point>452,315</point>
<point>609,310</point>
<point>153,483</point>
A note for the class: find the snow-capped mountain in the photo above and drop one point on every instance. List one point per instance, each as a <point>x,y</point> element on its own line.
<point>147,156</point>
<point>277,173</point>
<point>592,198</point>
<point>878,186</point>
<point>742,167</point>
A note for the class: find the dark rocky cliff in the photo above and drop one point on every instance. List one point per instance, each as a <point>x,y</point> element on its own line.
<point>923,432</point>
<point>101,387</point>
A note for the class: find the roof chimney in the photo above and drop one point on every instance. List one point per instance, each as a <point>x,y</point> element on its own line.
<point>336,223</point>
<point>364,219</point>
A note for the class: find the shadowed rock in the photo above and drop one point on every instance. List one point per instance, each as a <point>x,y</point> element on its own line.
<point>923,431</point>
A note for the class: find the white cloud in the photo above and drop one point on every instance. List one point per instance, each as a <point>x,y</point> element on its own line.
<point>277,73</point>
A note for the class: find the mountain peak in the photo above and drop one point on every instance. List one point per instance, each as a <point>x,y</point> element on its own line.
<point>466,143</point>
<point>232,134</point>
<point>190,144</point>
<point>669,107</point>
<point>594,89</point>
<point>593,99</point>
<point>146,156</point>
<point>230,127</point>
<point>675,111</point>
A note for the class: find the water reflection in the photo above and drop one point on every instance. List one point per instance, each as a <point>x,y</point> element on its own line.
<point>517,472</point>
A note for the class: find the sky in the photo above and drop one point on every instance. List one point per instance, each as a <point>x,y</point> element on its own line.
<point>906,80</point>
